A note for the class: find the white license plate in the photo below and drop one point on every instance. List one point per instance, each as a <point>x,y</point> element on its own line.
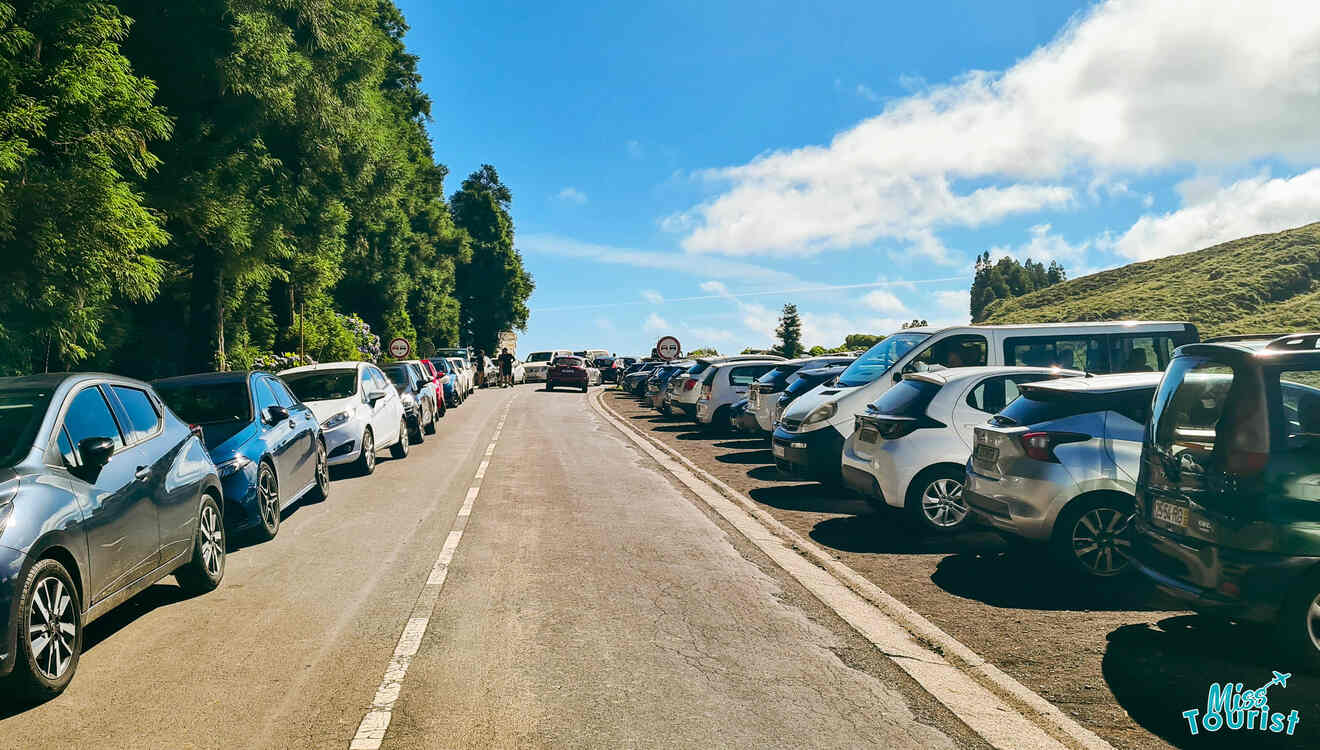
<point>778,450</point>
<point>1169,513</point>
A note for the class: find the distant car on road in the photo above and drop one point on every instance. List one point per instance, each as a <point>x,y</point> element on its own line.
<point>103,492</point>
<point>265,443</point>
<point>568,372</point>
<point>466,377</point>
<point>538,363</point>
<point>428,397</point>
<point>609,367</point>
<point>359,409</point>
<point>449,385</point>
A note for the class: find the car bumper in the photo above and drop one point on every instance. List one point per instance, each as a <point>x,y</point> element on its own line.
<point>1212,579</point>
<point>341,443</point>
<point>240,494</point>
<point>1018,505</point>
<point>812,455</point>
<point>535,375</point>
<point>746,422</point>
<point>13,568</point>
<point>574,382</point>
<point>689,410</point>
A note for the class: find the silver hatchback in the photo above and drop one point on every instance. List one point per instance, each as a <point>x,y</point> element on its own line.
<point>1059,465</point>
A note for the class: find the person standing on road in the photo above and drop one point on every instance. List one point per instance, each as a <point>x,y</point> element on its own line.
<point>506,367</point>
<point>479,364</point>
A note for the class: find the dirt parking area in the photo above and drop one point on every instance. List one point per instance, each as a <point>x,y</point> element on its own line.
<point>1120,659</point>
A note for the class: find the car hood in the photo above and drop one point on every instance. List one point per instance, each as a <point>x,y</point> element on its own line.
<point>223,439</point>
<point>326,409</point>
<point>804,404</point>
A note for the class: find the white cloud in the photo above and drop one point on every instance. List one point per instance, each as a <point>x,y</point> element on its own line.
<point>1125,87</point>
<point>563,247</point>
<point>655,324</point>
<point>1214,214</point>
<point>1045,246</point>
<point>954,308</point>
<point>883,301</point>
<point>572,195</point>
<point>867,93</point>
<point>714,287</point>
<point>652,296</point>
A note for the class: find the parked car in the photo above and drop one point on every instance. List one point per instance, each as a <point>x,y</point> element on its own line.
<point>821,420</point>
<point>635,381</point>
<point>909,450</point>
<point>1227,502</point>
<point>103,492</point>
<point>722,386</point>
<point>466,378</point>
<point>568,371</point>
<point>609,367</point>
<point>803,382</point>
<point>1059,465</point>
<point>658,383</point>
<point>683,391</point>
<point>743,419</point>
<point>428,396</point>
<point>408,383</point>
<point>266,444</point>
<point>449,383</point>
<point>762,396</point>
<point>537,363</point>
<point>437,378</point>
<point>359,409</point>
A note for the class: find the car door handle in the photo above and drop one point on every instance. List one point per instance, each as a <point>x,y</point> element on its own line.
<point>142,472</point>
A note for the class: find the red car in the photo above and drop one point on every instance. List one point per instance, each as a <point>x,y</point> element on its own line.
<point>570,371</point>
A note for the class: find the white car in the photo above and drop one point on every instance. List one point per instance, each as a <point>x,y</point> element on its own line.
<point>722,386</point>
<point>358,407</point>
<point>683,391</point>
<point>910,448</point>
<point>810,434</point>
<point>465,375</point>
<point>763,395</point>
<point>538,363</point>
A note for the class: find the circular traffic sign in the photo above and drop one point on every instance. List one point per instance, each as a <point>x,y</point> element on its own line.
<point>668,347</point>
<point>399,348</point>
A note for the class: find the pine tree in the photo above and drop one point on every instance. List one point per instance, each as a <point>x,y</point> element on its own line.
<point>789,332</point>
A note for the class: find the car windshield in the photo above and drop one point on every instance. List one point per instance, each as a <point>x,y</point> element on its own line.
<point>604,361</point>
<point>539,357</point>
<point>878,359</point>
<point>322,385</point>
<point>568,362</point>
<point>21,412</point>
<point>205,403</point>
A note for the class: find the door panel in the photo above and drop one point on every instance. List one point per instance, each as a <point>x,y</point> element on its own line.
<point>300,456</point>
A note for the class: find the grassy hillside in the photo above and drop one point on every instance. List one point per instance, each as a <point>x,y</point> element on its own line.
<point>1269,282</point>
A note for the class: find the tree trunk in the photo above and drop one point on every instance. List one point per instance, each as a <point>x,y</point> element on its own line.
<point>206,323</point>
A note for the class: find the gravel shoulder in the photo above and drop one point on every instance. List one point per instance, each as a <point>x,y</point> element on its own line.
<point>1121,660</point>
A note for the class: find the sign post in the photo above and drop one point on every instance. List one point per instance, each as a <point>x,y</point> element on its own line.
<point>668,348</point>
<point>400,348</point>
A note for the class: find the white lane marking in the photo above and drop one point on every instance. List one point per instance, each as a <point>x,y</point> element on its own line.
<point>371,732</point>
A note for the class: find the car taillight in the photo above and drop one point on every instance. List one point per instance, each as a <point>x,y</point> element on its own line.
<point>705,391</point>
<point>689,384</point>
<point>1041,445</point>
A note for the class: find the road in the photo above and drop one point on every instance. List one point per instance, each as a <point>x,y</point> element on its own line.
<point>589,602</point>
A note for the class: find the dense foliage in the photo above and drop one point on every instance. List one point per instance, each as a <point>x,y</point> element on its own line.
<point>1008,278</point>
<point>223,183</point>
<point>789,332</point>
<point>1265,283</point>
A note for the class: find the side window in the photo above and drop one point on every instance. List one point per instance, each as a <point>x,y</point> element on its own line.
<point>993,394</point>
<point>381,382</point>
<point>142,415</point>
<point>1136,353</point>
<point>1135,405</point>
<point>1071,352</point>
<point>282,395</point>
<point>967,350</point>
<point>89,416</point>
<point>365,383</point>
<point>746,375</point>
<point>262,395</point>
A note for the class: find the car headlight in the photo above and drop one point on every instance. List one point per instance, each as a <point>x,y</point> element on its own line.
<point>232,466</point>
<point>821,413</point>
<point>335,420</point>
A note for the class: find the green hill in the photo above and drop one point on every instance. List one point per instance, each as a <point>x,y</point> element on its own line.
<point>1265,283</point>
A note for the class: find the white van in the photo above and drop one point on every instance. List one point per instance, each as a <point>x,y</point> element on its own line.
<point>809,439</point>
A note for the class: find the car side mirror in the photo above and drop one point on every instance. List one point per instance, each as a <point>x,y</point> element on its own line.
<point>276,414</point>
<point>95,453</point>
<point>374,397</point>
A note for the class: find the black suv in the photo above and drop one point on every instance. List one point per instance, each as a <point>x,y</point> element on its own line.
<point>1228,496</point>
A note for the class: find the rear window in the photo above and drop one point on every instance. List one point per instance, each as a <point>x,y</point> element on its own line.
<point>1299,411</point>
<point>909,398</point>
<point>778,375</point>
<point>1036,406</point>
<point>568,362</point>
<point>1191,403</point>
<point>208,403</point>
<point>21,413</point>
<point>745,375</point>
<point>538,357</point>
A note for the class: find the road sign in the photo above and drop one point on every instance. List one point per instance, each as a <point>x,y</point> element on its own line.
<point>668,348</point>
<point>399,348</point>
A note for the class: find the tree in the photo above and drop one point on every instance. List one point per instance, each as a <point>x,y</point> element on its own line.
<point>704,352</point>
<point>817,351</point>
<point>789,332</point>
<point>77,125</point>
<point>855,341</point>
<point>1008,278</point>
<point>915,323</point>
<point>492,286</point>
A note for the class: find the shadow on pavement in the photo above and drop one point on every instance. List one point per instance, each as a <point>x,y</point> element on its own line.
<point>887,532</point>
<point>809,497</point>
<point>743,444</point>
<point>765,474</point>
<point>1158,671</point>
<point>760,457</point>
<point>1030,579</point>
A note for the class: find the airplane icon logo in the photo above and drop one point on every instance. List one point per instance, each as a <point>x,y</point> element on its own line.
<point>1280,679</point>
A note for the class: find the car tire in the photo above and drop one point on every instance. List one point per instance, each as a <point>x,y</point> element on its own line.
<point>268,503</point>
<point>416,433</point>
<point>404,443</point>
<point>585,387</point>
<point>38,672</point>
<point>429,427</point>
<point>204,571</point>
<point>1099,522</point>
<point>934,500</point>
<point>321,490</point>
<point>366,461</point>
<point>1298,625</point>
<point>719,421</point>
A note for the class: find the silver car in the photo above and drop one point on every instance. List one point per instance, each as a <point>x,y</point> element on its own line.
<point>1059,465</point>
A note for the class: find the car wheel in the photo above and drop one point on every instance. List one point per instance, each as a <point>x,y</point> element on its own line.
<point>935,500</point>
<point>1091,537</point>
<point>415,431</point>
<point>321,490</point>
<point>584,387</point>
<point>50,633</point>
<point>429,427</point>
<point>1299,623</point>
<point>400,448</point>
<point>366,462</point>
<point>203,572</point>
<point>268,503</point>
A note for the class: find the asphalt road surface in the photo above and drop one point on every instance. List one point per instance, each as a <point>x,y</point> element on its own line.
<point>589,602</point>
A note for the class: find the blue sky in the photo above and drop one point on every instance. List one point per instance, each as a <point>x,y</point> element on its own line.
<point>689,167</point>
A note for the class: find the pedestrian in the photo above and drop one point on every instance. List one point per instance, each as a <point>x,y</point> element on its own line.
<point>480,365</point>
<point>506,368</point>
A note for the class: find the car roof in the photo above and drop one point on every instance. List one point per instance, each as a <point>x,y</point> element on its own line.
<point>1113,383</point>
<point>53,380</point>
<point>1027,326</point>
<point>953,374</point>
<point>741,362</point>
<point>1294,347</point>
<point>344,365</point>
<point>207,377</point>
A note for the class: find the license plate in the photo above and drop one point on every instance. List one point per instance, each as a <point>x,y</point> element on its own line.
<point>1169,513</point>
<point>986,454</point>
<point>778,450</point>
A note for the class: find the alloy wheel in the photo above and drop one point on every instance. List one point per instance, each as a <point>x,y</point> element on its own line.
<point>268,497</point>
<point>1313,622</point>
<point>213,541</point>
<point>942,503</point>
<point>369,448</point>
<point>52,627</point>
<point>1100,543</point>
<point>322,469</point>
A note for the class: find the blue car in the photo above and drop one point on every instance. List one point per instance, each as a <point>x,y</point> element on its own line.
<point>266,445</point>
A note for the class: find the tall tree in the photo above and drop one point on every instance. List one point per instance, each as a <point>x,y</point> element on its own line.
<point>1008,278</point>
<point>492,285</point>
<point>76,124</point>
<point>789,332</point>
